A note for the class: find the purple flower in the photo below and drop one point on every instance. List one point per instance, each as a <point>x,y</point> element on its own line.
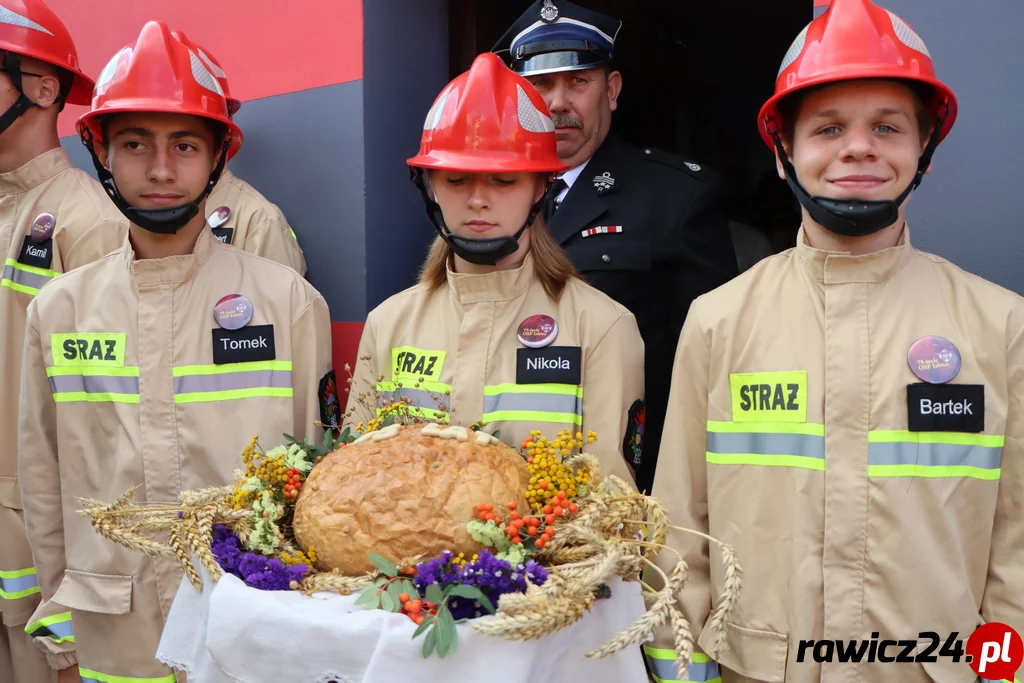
<point>227,549</point>
<point>269,573</point>
<point>492,576</point>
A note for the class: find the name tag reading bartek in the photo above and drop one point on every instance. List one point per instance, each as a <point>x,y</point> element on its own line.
<point>246,345</point>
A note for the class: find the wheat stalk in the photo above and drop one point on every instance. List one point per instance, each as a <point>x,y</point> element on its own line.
<point>730,596</point>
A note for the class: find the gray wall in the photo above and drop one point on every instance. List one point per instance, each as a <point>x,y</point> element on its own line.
<point>967,209</point>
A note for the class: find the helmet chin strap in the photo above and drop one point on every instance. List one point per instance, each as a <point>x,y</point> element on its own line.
<point>12,67</point>
<point>161,221</point>
<point>482,251</point>
<point>856,217</point>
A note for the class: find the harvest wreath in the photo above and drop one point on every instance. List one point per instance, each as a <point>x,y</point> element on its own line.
<point>443,524</point>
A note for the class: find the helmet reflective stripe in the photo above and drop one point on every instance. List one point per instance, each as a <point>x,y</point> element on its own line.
<point>907,35</point>
<point>530,118</point>
<point>203,76</point>
<point>435,113</point>
<point>794,51</point>
<point>15,19</point>
<point>111,68</point>
<point>214,69</point>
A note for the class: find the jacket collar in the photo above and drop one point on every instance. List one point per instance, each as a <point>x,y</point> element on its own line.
<point>173,268</point>
<point>834,268</point>
<point>499,285</point>
<point>32,174</point>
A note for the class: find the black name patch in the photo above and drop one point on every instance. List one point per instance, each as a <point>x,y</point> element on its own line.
<point>551,364</point>
<point>945,407</point>
<point>246,345</point>
<point>37,254</point>
<point>223,235</point>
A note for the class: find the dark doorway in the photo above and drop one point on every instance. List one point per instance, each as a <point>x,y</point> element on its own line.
<point>695,74</point>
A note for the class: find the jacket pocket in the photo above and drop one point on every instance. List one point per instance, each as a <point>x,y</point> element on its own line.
<point>100,593</point>
<point>756,654</point>
<point>10,495</point>
<point>610,252</point>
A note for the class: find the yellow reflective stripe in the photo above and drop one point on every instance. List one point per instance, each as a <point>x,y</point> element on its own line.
<point>85,371</point>
<point>952,438</point>
<point>564,389</point>
<point>662,664</point>
<point>30,269</point>
<point>663,653</point>
<point>800,461</point>
<point>531,416</point>
<point>89,676</point>
<point>18,288</point>
<point>17,574</point>
<point>56,627</point>
<point>933,471</point>
<point>233,394</point>
<point>82,396</point>
<point>768,427</point>
<point>188,370</point>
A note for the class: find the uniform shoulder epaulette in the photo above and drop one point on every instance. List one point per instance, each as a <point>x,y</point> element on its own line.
<point>660,156</point>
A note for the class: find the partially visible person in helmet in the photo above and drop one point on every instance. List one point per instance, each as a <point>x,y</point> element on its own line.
<point>500,329</point>
<point>53,218</point>
<point>848,415</point>
<point>236,211</point>
<point>152,365</point>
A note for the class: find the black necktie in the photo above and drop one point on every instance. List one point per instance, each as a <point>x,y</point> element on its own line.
<point>556,189</point>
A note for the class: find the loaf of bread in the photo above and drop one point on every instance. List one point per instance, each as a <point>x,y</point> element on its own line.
<point>405,491</point>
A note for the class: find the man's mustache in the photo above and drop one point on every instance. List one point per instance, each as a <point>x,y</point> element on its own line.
<point>566,121</point>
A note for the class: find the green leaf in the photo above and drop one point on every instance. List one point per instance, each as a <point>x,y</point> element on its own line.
<point>388,421</point>
<point>368,598</point>
<point>345,434</point>
<point>423,627</point>
<point>409,587</point>
<point>395,591</point>
<point>292,439</point>
<point>327,439</point>
<point>386,567</point>
<point>447,635</point>
<point>380,581</point>
<point>429,642</point>
<point>464,591</point>
<point>387,603</point>
<point>486,602</point>
<point>434,594</point>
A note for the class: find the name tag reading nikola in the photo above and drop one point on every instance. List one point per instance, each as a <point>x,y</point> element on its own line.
<point>246,345</point>
<point>549,365</point>
<point>946,408</point>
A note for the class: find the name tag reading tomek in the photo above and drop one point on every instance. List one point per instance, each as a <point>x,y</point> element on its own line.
<point>246,345</point>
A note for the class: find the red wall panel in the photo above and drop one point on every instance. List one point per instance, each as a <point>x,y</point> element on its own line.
<point>345,339</point>
<point>266,47</point>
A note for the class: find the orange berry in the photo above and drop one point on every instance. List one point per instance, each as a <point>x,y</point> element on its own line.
<point>481,507</point>
<point>561,495</point>
<point>549,519</point>
<point>529,460</point>
<point>531,531</point>
<point>414,605</point>
<point>403,598</point>
<point>547,509</point>
<point>517,540</point>
<point>511,529</point>
<point>418,619</point>
<point>558,511</point>
<point>488,507</point>
<point>574,508</point>
<point>533,521</point>
<point>550,531</point>
<point>543,484</point>
<point>540,543</point>
<point>514,515</point>
<point>513,505</point>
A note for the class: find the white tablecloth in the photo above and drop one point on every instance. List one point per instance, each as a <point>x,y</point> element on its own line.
<point>231,633</point>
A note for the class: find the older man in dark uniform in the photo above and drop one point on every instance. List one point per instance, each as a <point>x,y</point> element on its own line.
<point>646,227</point>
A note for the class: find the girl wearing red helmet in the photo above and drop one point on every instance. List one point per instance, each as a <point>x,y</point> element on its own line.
<point>148,367</point>
<point>500,330</point>
<point>849,414</point>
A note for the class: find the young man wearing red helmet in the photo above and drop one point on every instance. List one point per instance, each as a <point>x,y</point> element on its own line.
<point>152,366</point>
<point>500,329</point>
<point>848,415</point>
<point>53,217</point>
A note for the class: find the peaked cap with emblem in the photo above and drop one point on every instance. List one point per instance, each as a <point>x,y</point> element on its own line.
<point>556,35</point>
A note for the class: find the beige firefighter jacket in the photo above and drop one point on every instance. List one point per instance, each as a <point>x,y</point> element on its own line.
<point>255,224</point>
<point>86,227</point>
<point>461,340</point>
<point>789,438</point>
<point>129,381</point>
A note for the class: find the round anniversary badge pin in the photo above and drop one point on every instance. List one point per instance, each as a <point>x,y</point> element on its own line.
<point>42,227</point>
<point>933,359</point>
<point>233,312</point>
<point>537,331</point>
<point>219,217</point>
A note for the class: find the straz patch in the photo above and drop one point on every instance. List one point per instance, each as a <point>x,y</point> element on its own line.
<point>247,345</point>
<point>90,349</point>
<point>223,235</point>
<point>408,362</point>
<point>946,407</point>
<point>769,396</point>
<point>36,254</point>
<point>549,365</point>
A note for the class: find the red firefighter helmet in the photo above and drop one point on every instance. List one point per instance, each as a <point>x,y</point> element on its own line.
<point>31,29</point>
<point>855,39</point>
<point>160,73</point>
<point>215,68</point>
<point>489,120</point>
